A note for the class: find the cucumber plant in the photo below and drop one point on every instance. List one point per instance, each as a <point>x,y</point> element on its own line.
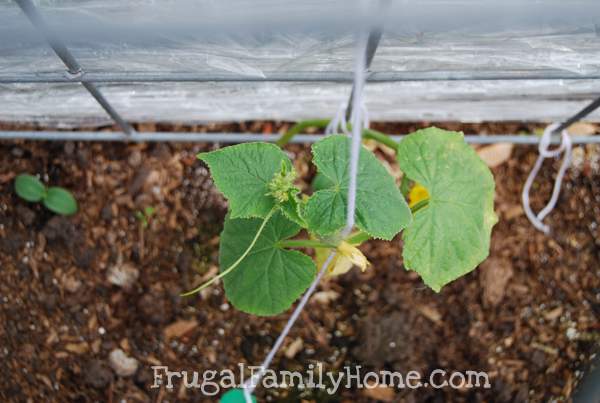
<point>446,232</point>
<point>54,198</point>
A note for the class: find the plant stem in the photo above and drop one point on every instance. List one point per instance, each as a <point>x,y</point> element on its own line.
<point>237,262</point>
<point>358,237</point>
<point>380,137</point>
<point>322,123</point>
<point>141,228</point>
<point>299,128</point>
<point>405,186</point>
<point>420,205</point>
<point>303,243</point>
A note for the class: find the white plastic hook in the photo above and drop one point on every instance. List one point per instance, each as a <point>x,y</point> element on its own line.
<point>546,152</point>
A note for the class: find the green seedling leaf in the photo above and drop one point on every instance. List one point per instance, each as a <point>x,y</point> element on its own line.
<point>449,236</point>
<point>29,188</point>
<point>292,209</point>
<point>381,211</point>
<point>149,211</point>
<point>243,173</point>
<point>141,218</point>
<point>60,201</point>
<point>270,278</point>
<point>321,182</point>
<point>144,216</point>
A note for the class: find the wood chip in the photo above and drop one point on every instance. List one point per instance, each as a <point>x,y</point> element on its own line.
<point>180,328</point>
<point>5,178</point>
<point>45,380</point>
<point>494,276</point>
<point>71,284</point>
<point>153,360</point>
<point>146,127</point>
<point>513,211</point>
<point>545,349</point>
<point>495,154</point>
<point>52,337</point>
<point>96,346</point>
<point>77,348</point>
<point>430,313</point>
<point>325,297</point>
<point>582,129</point>
<point>294,348</point>
<point>554,313</point>
<point>380,392</point>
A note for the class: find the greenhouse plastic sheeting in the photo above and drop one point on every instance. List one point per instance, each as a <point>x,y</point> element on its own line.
<point>438,60</point>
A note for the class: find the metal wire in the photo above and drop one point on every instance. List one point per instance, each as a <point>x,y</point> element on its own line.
<point>76,74</point>
<point>75,71</point>
<point>228,138</point>
<point>578,116</point>
<point>363,52</point>
<point>287,76</point>
<point>373,40</point>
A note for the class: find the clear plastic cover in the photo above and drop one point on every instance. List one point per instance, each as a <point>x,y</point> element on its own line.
<point>541,59</point>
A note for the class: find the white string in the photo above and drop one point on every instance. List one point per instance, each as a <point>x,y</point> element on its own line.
<point>338,121</point>
<point>359,119</point>
<point>566,147</point>
<point>362,108</point>
<point>252,383</point>
<point>358,107</point>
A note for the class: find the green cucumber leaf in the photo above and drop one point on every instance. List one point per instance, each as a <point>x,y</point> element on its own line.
<point>450,236</point>
<point>60,201</point>
<point>29,188</point>
<point>321,182</point>
<point>243,173</point>
<point>381,211</point>
<point>270,278</point>
<point>292,209</point>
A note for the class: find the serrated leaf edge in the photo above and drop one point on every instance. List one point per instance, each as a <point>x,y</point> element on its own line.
<point>218,183</point>
<point>314,152</point>
<point>489,216</point>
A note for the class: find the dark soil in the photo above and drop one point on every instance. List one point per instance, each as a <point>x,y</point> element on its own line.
<point>528,316</point>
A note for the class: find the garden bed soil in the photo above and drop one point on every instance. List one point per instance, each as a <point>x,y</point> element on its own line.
<point>72,290</point>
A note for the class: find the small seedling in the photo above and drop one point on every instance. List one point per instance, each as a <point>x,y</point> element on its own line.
<point>144,216</point>
<point>56,199</point>
<point>447,226</point>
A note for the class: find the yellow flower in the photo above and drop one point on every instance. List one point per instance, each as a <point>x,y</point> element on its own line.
<point>347,256</point>
<point>416,194</point>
